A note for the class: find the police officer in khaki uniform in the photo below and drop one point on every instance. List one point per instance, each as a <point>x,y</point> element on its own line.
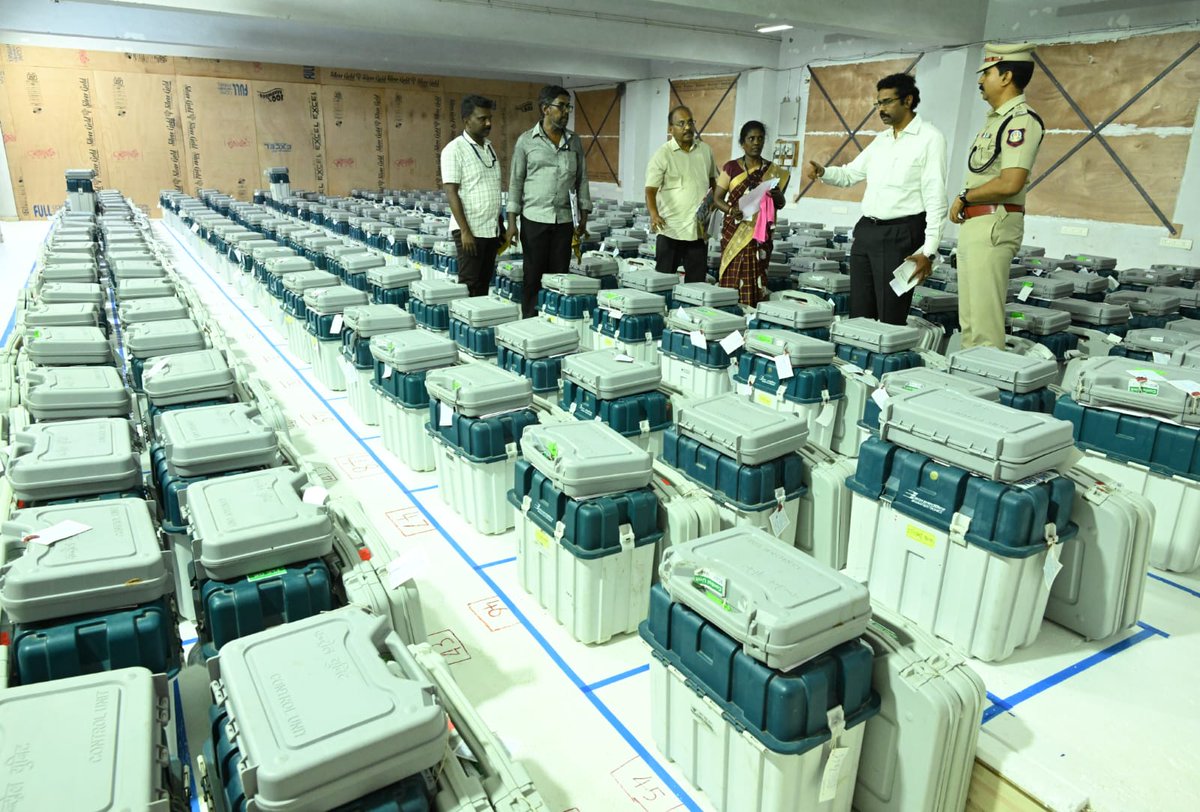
<point>991,208</point>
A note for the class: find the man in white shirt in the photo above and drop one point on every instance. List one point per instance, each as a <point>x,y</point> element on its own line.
<point>680,173</point>
<point>904,205</point>
<point>471,178</point>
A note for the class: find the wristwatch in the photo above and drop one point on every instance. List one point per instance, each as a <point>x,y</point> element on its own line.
<point>963,197</point>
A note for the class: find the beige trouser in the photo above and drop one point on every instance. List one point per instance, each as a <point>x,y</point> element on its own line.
<point>986,247</point>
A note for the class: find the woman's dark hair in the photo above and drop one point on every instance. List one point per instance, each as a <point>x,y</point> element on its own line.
<point>1021,72</point>
<point>904,84</point>
<point>469,103</point>
<point>749,127</point>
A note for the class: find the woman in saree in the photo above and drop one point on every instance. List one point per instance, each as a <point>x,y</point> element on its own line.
<point>744,258</point>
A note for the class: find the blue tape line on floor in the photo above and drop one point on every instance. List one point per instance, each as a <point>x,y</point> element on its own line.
<point>508,560</point>
<point>624,732</point>
<point>1175,584</point>
<point>422,490</point>
<point>1010,702</point>
<point>633,672</point>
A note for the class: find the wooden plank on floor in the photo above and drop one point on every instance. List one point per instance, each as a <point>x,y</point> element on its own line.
<point>991,792</point>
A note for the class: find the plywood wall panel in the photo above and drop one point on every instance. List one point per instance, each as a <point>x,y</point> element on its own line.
<point>122,62</point>
<point>355,142</point>
<point>413,118</point>
<point>143,139</point>
<point>222,143</point>
<point>290,130</point>
<point>821,148</point>
<point>852,89</point>
<point>600,110</point>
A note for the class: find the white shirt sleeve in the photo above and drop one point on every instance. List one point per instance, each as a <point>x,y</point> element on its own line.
<point>933,190</point>
<point>850,174</point>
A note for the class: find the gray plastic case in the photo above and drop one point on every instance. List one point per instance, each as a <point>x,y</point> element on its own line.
<point>1041,287</point>
<point>115,759</point>
<point>600,373</point>
<point>187,377</point>
<point>333,299</point>
<point>74,458</point>
<point>713,324</point>
<point>704,294</point>
<point>437,291</point>
<point>69,345</point>
<point>216,439</point>
<point>931,300</point>
<point>514,269</point>
<point>133,269</point>
<point>78,272</point>
<point>630,302</point>
<point>68,292</point>
<point>1153,339</point>
<point>919,378</point>
<point>475,390</point>
<point>482,311</point>
<point>62,315</point>
<point>990,439</point>
<point>571,284</point>
<point>649,281</point>
<point>536,338</point>
<point>304,281</point>
<point>151,338</point>
<point>62,393</point>
<point>373,319</point>
<point>1145,303</point>
<point>801,350</point>
<point>1085,283</point>
<point>1041,321</point>
<point>283,266</point>
<point>806,265</point>
<point>1140,386</point>
<point>361,263</point>
<point>596,264</point>
<point>248,523</point>
<point>162,308</point>
<point>750,433</point>
<point>586,458</point>
<point>1150,277</point>
<point>873,335</point>
<point>1188,297</point>
<point>826,282</point>
<point>116,562</point>
<point>1096,263</point>
<point>795,314</point>
<point>390,277</point>
<point>144,288</point>
<point>414,350</point>
<point>1101,314</point>
<point>1009,371</point>
<point>782,605</point>
<point>1185,326</point>
<point>349,712</point>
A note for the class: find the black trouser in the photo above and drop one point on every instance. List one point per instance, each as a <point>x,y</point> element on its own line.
<point>880,246</point>
<point>476,271</point>
<point>545,248</point>
<point>670,253</point>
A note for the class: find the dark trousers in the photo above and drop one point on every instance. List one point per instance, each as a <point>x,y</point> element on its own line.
<point>476,271</point>
<point>545,248</point>
<point>879,248</point>
<point>670,253</point>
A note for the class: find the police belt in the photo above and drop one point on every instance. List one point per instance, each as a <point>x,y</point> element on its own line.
<point>980,209</point>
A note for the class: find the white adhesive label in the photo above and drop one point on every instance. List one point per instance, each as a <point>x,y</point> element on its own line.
<point>881,397</point>
<point>445,415</point>
<point>624,359</point>
<point>1190,387</point>
<point>316,495</point>
<point>408,567</point>
<point>335,326</point>
<point>56,533</point>
<point>1161,357</point>
<point>783,365</point>
<point>616,314</point>
<point>779,522</point>
<point>697,339</point>
<point>832,774</point>
<point>1023,293</point>
<point>387,372</point>
<point>1053,565</point>
<point>732,342</point>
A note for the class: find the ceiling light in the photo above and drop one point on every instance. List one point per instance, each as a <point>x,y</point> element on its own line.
<point>771,29</point>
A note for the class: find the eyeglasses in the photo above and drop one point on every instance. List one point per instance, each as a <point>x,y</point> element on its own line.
<point>691,122</point>
<point>882,102</point>
<point>566,108</point>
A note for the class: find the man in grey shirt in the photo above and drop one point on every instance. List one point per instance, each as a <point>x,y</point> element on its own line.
<point>548,170</point>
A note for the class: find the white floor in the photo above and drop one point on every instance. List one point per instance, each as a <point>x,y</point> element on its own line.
<point>1111,725</point>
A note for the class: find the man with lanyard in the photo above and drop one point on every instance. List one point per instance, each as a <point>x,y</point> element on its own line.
<point>680,174</point>
<point>471,178</point>
<point>548,190</point>
<point>991,208</point>
<point>903,207</point>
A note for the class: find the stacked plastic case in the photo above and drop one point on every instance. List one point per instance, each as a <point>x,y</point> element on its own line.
<point>919,378</point>
<point>569,300</point>
<point>630,322</point>
<point>390,284</point>
<point>296,287</point>
<point>1039,290</point>
<point>1189,299</point>
<point>1151,456</point>
<point>587,527</point>
<point>937,307</point>
<point>874,346</point>
<point>150,342</point>
<point>745,455</point>
<point>163,308</point>
<point>534,348</point>
<point>807,384</point>
<point>830,285</point>
<point>116,761</point>
<point>356,268</point>
<point>313,736</point>
<point>429,301</point>
<point>269,295</point>
<point>693,359</point>
<point>810,316</point>
<point>74,460</point>
<point>401,363</point>
<point>70,292</point>
<point>1024,382</point>
<point>1153,344</point>
<point>823,520</point>
<point>257,546</point>
<point>477,413</point>
<point>1105,317</point>
<point>1087,285</point>
<point>1146,278</point>
<point>1147,309</point>
<point>473,323</point>
<point>957,509</point>
<point>603,266</point>
<point>705,294</point>
<point>98,600</point>
<point>324,324</point>
<point>757,662</point>
<point>649,280</point>
<point>618,390</point>
<point>188,379</point>
<point>67,346</point>
<point>359,324</point>
<point>508,280</point>
<point>1043,325</point>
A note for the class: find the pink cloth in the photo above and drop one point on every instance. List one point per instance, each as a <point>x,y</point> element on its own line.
<point>766,216</point>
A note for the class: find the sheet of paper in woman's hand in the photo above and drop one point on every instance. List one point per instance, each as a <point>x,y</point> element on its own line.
<point>750,201</point>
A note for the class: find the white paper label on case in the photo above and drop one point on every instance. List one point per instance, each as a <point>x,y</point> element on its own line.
<point>1023,294</point>
<point>881,397</point>
<point>445,415</point>
<point>832,774</point>
<point>335,326</point>
<point>56,532</point>
<point>783,364</point>
<point>732,342</point>
<point>387,372</point>
<point>624,359</point>
<point>1161,357</point>
<point>316,495</point>
<point>615,314</point>
<point>1053,565</point>
<point>779,522</point>
<point>698,341</point>
<point>408,567</point>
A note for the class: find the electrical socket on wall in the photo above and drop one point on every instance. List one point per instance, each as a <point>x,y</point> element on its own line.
<point>1175,242</point>
<point>840,210</point>
<point>1075,231</point>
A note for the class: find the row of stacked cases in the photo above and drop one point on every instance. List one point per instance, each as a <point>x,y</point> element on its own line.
<point>151,486</point>
<point>637,415</point>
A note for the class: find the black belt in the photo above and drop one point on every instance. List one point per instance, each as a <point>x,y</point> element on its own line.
<point>897,221</point>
